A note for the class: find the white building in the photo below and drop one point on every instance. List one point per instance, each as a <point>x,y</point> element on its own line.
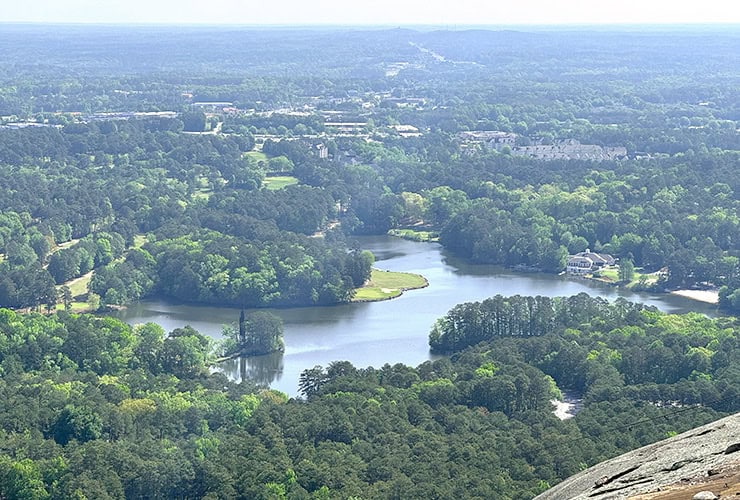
<point>588,262</point>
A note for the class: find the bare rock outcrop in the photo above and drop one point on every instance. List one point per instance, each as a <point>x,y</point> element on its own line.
<point>705,459</point>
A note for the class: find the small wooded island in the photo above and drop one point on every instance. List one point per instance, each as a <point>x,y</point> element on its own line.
<point>258,333</point>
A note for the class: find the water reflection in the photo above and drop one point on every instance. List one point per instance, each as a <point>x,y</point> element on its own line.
<point>262,370</point>
<point>396,331</point>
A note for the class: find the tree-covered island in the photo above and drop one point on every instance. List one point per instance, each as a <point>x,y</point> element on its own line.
<point>256,333</point>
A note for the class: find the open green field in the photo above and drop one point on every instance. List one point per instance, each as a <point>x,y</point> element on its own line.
<point>75,307</point>
<point>139,240</point>
<point>415,234</point>
<point>64,245</point>
<point>256,156</point>
<point>78,286</point>
<point>385,285</point>
<point>279,181</point>
<point>611,275</point>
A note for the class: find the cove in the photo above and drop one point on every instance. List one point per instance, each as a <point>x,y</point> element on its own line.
<point>375,333</point>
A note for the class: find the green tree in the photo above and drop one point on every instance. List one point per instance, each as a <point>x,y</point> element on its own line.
<point>77,423</point>
<point>21,480</point>
<point>260,332</point>
<point>311,381</point>
<point>185,353</point>
<point>148,347</point>
<point>280,164</point>
<point>66,297</point>
<point>50,299</point>
<point>93,300</point>
<point>626,271</point>
<point>194,121</point>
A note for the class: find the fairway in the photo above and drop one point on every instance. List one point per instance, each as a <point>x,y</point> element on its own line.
<point>611,275</point>
<point>384,285</point>
<point>257,156</point>
<point>78,286</point>
<point>279,182</point>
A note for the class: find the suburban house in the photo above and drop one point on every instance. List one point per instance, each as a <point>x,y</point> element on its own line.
<point>588,262</point>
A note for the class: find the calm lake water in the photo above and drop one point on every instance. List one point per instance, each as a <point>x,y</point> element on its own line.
<point>395,331</point>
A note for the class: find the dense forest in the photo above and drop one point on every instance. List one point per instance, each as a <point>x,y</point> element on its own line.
<point>233,167</point>
<point>95,408</point>
<point>240,246</point>
<point>131,146</point>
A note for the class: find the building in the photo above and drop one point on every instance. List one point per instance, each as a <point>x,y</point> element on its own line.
<point>345,127</point>
<point>406,130</point>
<point>492,139</point>
<point>588,262</point>
<point>571,149</point>
<point>578,264</point>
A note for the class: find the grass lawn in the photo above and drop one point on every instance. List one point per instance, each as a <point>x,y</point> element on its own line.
<point>256,156</point>
<point>75,307</point>
<point>611,275</point>
<point>387,285</point>
<point>366,294</point>
<point>279,181</point>
<point>64,245</point>
<point>415,234</point>
<point>78,286</point>
<point>139,240</point>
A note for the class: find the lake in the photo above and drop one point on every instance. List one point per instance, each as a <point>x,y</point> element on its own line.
<point>375,333</point>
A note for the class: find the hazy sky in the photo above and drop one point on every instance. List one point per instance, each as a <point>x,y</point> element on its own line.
<point>385,12</point>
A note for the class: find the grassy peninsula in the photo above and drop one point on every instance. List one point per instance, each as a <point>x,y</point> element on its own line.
<point>385,285</point>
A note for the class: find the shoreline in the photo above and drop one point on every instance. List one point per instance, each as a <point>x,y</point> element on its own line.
<point>400,290</point>
<point>706,296</point>
<point>239,354</point>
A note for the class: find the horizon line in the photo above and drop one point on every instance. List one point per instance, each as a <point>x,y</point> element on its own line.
<point>389,25</point>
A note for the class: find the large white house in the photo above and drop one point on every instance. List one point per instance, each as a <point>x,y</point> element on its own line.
<point>588,262</point>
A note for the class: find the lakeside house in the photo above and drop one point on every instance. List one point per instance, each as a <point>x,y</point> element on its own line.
<point>588,262</point>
